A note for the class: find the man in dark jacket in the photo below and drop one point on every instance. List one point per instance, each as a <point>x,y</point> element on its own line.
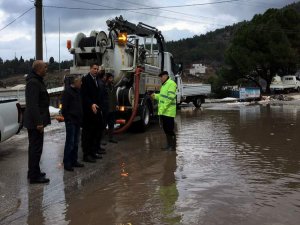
<point>36,117</point>
<point>92,115</point>
<point>112,107</point>
<point>104,96</point>
<point>72,112</point>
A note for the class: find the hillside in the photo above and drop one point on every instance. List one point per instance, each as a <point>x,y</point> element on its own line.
<point>209,48</point>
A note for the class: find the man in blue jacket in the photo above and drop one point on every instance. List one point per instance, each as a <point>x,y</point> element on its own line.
<point>72,112</point>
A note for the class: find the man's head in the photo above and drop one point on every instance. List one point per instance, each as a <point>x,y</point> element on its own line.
<point>101,73</point>
<point>94,67</point>
<point>164,76</point>
<point>76,81</point>
<point>110,78</point>
<point>39,67</point>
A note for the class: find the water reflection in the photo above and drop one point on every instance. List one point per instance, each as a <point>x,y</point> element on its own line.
<point>35,209</point>
<point>168,191</point>
<point>240,166</point>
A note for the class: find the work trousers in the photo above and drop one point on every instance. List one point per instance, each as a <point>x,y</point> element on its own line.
<point>35,149</point>
<point>71,144</point>
<point>168,125</point>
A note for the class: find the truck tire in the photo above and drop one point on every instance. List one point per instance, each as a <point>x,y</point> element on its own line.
<point>197,102</point>
<point>145,118</point>
<point>298,89</point>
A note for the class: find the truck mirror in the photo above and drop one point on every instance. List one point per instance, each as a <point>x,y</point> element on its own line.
<point>179,68</point>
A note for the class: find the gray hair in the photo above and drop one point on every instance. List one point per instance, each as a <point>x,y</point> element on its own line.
<point>74,78</point>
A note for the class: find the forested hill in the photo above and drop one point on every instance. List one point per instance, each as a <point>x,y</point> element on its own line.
<point>208,48</point>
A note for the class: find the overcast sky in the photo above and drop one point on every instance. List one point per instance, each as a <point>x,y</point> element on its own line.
<point>175,23</point>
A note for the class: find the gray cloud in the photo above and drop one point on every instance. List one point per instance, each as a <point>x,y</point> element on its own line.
<point>186,23</point>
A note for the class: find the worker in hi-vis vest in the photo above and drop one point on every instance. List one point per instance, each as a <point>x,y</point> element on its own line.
<point>167,108</point>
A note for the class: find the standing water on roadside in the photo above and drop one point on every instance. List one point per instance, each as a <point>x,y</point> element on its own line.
<point>239,165</point>
<point>235,164</point>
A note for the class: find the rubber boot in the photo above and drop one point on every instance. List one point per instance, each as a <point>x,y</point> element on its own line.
<point>173,143</point>
<point>168,146</point>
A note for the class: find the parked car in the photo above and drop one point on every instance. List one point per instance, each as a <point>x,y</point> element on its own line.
<point>10,118</point>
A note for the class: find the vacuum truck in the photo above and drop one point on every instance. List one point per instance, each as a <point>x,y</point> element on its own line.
<point>135,54</point>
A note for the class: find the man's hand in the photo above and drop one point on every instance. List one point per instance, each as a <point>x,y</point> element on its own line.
<point>40,128</point>
<point>95,108</point>
<point>153,96</point>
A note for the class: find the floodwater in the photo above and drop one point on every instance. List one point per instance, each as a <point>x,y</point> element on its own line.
<point>235,164</point>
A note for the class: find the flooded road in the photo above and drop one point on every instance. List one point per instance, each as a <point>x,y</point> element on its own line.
<point>234,164</point>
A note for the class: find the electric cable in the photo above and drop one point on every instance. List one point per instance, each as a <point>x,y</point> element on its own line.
<point>143,8</point>
<point>14,20</point>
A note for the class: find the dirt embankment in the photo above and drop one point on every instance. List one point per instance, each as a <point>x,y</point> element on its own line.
<point>53,79</point>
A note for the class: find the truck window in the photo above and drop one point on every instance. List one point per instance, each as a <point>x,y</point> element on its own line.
<point>176,68</point>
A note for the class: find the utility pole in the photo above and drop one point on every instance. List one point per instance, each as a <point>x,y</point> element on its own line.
<point>38,29</point>
<point>59,44</point>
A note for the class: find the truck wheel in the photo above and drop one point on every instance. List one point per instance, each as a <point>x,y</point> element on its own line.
<point>197,102</point>
<point>145,118</point>
<point>298,89</point>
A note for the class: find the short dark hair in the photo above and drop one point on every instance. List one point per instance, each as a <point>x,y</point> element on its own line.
<point>163,73</point>
<point>109,75</point>
<point>93,64</point>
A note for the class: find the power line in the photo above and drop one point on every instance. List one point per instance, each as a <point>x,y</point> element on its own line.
<point>141,8</point>
<point>117,9</point>
<point>133,3</point>
<point>14,20</point>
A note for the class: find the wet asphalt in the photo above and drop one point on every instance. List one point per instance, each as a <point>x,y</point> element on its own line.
<point>234,164</point>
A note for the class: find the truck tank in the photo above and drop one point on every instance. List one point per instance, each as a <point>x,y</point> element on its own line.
<point>100,49</point>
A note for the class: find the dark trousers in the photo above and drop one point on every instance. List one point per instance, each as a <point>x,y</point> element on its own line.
<point>35,149</point>
<point>111,120</point>
<point>89,138</point>
<point>168,125</point>
<point>71,144</point>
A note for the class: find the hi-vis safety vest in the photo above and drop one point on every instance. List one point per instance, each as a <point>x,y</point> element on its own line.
<point>167,99</point>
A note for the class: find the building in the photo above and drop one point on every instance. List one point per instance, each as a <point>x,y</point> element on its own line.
<point>198,70</point>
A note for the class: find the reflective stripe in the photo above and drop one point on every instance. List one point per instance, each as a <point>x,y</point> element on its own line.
<point>172,92</point>
<point>164,96</point>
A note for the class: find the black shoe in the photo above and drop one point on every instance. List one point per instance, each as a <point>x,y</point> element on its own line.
<point>40,180</point>
<point>78,164</point>
<point>97,156</point>
<point>89,159</point>
<point>103,143</point>
<point>42,174</point>
<point>113,141</point>
<point>69,168</point>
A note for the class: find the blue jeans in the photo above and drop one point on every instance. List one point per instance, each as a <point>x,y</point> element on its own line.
<point>71,145</point>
